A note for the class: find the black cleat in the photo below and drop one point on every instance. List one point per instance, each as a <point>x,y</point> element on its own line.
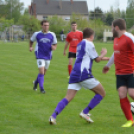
<point>42,91</point>
<point>35,86</point>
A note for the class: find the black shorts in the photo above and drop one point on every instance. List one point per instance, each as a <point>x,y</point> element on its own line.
<point>71,55</point>
<point>125,80</point>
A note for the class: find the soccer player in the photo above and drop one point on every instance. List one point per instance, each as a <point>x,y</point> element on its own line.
<point>73,38</point>
<point>81,76</point>
<point>123,58</point>
<point>46,43</point>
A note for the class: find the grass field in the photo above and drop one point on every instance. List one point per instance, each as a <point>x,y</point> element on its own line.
<point>24,111</point>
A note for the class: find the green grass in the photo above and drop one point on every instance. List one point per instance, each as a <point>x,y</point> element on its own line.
<point>24,111</point>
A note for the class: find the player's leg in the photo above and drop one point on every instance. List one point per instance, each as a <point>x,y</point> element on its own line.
<point>99,91</point>
<point>97,88</point>
<point>71,92</point>
<point>40,77</point>
<point>124,102</point>
<point>70,65</point>
<point>71,56</point>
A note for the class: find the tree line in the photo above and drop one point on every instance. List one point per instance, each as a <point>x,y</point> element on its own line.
<point>13,12</point>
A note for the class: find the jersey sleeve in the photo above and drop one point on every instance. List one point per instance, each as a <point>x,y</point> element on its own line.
<point>111,61</point>
<point>92,51</point>
<point>33,38</point>
<point>54,39</point>
<point>131,43</point>
<point>68,38</point>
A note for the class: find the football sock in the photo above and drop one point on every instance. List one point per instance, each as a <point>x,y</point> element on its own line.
<point>94,102</point>
<point>61,105</point>
<point>41,81</point>
<point>126,108</point>
<point>69,69</point>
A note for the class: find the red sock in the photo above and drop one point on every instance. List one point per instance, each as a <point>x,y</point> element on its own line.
<point>69,69</point>
<point>126,108</point>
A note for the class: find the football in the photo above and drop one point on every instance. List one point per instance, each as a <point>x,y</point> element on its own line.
<point>132,107</point>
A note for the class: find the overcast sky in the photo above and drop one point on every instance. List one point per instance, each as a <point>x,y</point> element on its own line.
<point>103,4</point>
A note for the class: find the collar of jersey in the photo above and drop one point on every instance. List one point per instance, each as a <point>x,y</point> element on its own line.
<point>44,32</point>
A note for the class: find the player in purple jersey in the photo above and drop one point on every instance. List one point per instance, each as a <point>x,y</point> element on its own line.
<point>81,76</point>
<point>46,43</point>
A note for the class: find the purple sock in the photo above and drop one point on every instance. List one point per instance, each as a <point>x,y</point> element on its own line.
<point>61,105</point>
<point>94,102</point>
<point>41,81</point>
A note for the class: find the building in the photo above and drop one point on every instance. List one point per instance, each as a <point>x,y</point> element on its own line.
<point>42,9</point>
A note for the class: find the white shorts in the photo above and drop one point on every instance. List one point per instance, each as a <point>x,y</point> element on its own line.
<point>87,84</point>
<point>43,63</point>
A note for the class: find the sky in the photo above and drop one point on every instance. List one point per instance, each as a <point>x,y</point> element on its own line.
<point>103,4</point>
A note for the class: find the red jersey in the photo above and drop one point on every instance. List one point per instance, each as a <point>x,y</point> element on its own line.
<point>124,54</point>
<point>73,38</point>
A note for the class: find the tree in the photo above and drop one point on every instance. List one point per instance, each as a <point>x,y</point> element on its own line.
<point>109,19</point>
<point>4,23</point>
<point>129,13</point>
<point>57,24</point>
<point>123,14</point>
<point>12,9</point>
<point>30,24</point>
<point>97,13</point>
<point>26,12</point>
<point>81,21</point>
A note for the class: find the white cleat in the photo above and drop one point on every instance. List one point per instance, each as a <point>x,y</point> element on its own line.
<point>86,117</point>
<point>52,120</point>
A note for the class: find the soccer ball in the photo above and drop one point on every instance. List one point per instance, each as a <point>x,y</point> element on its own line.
<point>132,107</point>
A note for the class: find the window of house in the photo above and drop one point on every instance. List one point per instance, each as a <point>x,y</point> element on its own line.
<point>67,18</point>
<point>45,17</point>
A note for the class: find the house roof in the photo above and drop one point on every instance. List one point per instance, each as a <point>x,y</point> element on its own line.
<point>61,8</point>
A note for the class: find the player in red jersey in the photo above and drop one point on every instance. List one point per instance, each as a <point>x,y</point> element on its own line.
<point>123,58</point>
<point>73,38</point>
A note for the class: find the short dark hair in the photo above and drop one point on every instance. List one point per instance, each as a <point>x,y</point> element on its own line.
<point>87,32</point>
<point>73,22</point>
<point>120,23</point>
<point>44,21</point>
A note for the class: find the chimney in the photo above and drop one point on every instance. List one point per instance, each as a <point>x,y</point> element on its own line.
<point>71,1</point>
<point>34,10</point>
<point>47,1</point>
<point>60,4</point>
<point>29,10</point>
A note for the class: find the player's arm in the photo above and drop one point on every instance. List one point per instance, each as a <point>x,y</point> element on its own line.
<point>105,58</point>
<point>65,48</point>
<point>53,47</point>
<point>54,44</point>
<point>107,67</point>
<point>33,38</point>
<point>30,46</point>
<point>103,53</point>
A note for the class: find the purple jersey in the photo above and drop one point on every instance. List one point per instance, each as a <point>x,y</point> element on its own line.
<point>43,46</point>
<point>84,59</point>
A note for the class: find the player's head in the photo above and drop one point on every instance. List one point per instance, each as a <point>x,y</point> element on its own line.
<point>88,33</point>
<point>45,25</point>
<point>74,26</point>
<point>117,26</point>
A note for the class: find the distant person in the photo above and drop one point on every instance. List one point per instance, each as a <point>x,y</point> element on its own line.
<point>81,76</point>
<point>46,43</point>
<point>8,36</point>
<point>16,38</point>
<point>22,37</point>
<point>62,35</point>
<point>72,40</point>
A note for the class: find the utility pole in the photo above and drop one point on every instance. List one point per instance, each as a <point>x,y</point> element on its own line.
<point>11,9</point>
